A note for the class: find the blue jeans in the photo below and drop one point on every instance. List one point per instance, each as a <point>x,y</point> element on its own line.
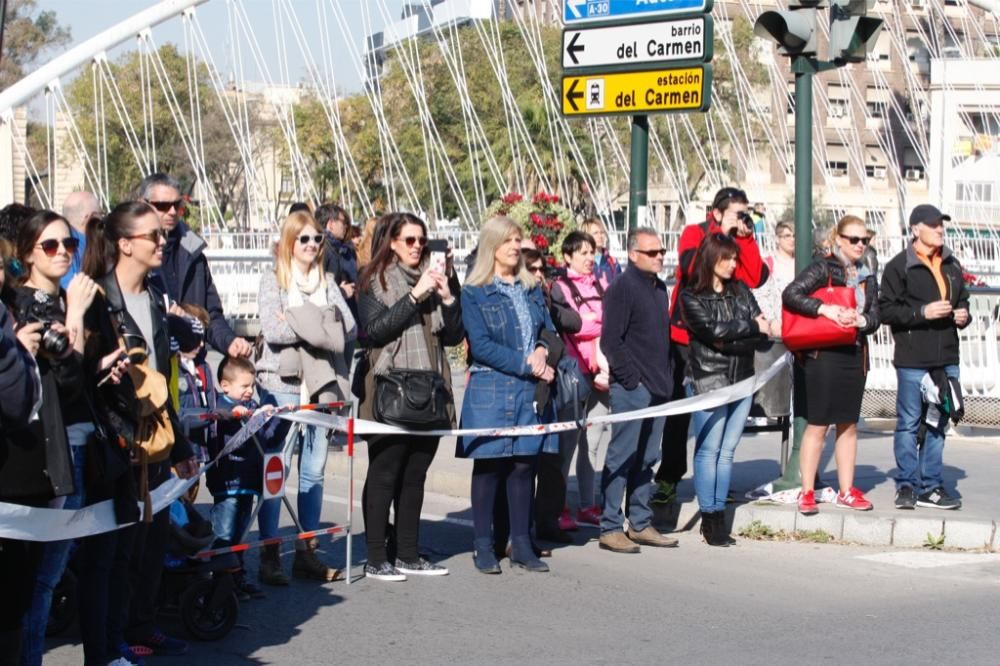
<point>231,517</point>
<point>312,463</point>
<point>55,555</point>
<point>717,432</point>
<point>632,454</point>
<point>918,469</point>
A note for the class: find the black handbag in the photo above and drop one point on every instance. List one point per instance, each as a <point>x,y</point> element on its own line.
<point>413,399</point>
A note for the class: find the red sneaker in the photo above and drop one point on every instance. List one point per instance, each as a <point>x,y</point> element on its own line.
<point>807,503</point>
<point>566,522</point>
<point>853,499</point>
<point>589,515</point>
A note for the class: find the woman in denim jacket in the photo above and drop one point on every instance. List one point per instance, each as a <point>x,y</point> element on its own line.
<point>504,311</point>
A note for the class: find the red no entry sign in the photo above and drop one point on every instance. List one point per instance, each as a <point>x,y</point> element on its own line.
<point>274,476</point>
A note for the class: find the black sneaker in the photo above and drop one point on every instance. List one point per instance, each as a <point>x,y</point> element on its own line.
<point>383,571</point>
<point>906,498</point>
<point>939,499</point>
<point>420,567</point>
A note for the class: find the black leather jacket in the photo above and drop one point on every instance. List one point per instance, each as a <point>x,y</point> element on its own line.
<point>724,335</point>
<point>797,296</point>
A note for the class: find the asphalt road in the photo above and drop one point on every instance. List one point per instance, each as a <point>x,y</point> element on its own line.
<point>756,603</point>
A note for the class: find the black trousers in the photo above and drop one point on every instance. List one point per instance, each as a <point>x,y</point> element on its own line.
<point>18,562</point>
<point>397,470</point>
<point>673,451</point>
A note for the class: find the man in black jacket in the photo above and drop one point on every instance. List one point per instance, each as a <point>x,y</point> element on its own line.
<point>185,274</point>
<point>636,343</point>
<point>925,301</point>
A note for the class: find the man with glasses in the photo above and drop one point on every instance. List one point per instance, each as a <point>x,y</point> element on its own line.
<point>638,351</point>
<point>728,215</point>
<point>925,301</point>
<point>185,273</point>
<point>78,208</point>
<point>340,258</point>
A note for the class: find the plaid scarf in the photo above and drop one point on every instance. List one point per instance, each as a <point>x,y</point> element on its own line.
<point>409,350</point>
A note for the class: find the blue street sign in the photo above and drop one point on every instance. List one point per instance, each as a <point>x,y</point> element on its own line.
<point>581,11</point>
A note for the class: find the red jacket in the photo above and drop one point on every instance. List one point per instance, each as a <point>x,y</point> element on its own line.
<point>750,268</point>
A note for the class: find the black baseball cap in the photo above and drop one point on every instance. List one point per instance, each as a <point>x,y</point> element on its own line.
<point>929,215</point>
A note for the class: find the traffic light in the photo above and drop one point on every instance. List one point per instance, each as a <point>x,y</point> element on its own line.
<point>794,29</point>
<point>852,33</point>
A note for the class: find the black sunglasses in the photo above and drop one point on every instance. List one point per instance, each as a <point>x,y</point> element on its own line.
<point>854,240</point>
<point>419,240</point>
<point>165,206</point>
<point>153,236</point>
<point>653,253</point>
<point>305,238</point>
<point>51,245</point>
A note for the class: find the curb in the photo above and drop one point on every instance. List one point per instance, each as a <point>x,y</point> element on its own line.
<point>866,529</point>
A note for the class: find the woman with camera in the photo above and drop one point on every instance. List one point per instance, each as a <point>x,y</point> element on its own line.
<point>830,382</point>
<point>123,250</point>
<point>726,326</point>
<point>410,312</point>
<point>45,248</point>
<point>504,313</point>
<point>306,325</point>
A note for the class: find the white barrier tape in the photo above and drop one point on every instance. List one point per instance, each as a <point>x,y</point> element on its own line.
<point>696,403</point>
<point>40,524</point>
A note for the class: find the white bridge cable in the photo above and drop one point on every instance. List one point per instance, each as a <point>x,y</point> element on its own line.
<point>21,146</point>
<point>62,107</point>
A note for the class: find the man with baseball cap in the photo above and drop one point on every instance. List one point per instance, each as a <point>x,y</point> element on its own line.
<point>925,301</point>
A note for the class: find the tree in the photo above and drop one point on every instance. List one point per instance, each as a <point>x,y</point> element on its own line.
<point>26,36</point>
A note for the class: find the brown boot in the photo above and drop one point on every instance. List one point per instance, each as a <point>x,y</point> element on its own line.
<point>270,566</point>
<point>308,565</point>
<point>649,536</point>
<point>617,542</point>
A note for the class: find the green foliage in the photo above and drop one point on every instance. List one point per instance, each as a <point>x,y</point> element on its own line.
<point>26,36</point>
<point>813,536</point>
<point>934,543</point>
<point>758,531</point>
<point>542,218</point>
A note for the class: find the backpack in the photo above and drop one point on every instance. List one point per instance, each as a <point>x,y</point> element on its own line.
<point>575,294</point>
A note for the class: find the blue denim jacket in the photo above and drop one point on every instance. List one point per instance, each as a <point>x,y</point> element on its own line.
<point>501,389</point>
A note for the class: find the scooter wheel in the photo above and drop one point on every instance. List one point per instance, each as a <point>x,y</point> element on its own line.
<point>202,622</point>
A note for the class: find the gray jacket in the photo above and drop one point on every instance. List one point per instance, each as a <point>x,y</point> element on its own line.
<point>278,334</point>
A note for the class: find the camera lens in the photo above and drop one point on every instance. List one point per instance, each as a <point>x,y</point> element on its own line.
<point>54,343</point>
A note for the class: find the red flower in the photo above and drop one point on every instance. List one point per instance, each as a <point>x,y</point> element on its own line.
<point>540,242</point>
<point>512,198</point>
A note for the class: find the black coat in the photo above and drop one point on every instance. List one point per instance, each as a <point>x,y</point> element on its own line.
<point>907,286</point>
<point>797,296</point>
<point>724,334</point>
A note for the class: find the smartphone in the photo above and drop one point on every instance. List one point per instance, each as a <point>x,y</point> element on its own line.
<point>438,248</point>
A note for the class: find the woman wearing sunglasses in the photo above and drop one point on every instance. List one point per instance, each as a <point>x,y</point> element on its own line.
<point>298,288</point>
<point>830,383</point>
<point>410,312</point>
<point>124,566</point>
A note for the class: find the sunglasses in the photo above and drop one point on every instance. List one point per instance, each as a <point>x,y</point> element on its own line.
<point>51,246</point>
<point>165,206</point>
<point>418,240</point>
<point>154,236</point>
<point>854,240</point>
<point>653,253</point>
<point>536,269</point>
<point>305,238</point>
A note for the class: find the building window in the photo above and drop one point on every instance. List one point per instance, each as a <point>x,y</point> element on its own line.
<point>287,186</point>
<point>837,168</point>
<point>876,170</point>
<point>974,192</point>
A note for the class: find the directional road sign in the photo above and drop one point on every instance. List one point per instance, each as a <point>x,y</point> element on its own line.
<point>582,11</point>
<point>662,90</point>
<point>640,44</point>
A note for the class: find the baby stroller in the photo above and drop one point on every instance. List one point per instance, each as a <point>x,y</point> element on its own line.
<point>201,592</point>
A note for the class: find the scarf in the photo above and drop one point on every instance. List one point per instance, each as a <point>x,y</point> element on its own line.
<point>855,275</point>
<point>311,287</point>
<point>409,350</point>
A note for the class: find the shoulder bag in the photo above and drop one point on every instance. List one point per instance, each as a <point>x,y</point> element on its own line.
<point>801,332</point>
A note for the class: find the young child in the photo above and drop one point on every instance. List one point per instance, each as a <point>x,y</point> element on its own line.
<point>235,480</point>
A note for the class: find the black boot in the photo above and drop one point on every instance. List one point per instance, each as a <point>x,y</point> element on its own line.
<point>724,529</point>
<point>711,531</point>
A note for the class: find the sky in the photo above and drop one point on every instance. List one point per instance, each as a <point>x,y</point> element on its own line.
<point>87,18</point>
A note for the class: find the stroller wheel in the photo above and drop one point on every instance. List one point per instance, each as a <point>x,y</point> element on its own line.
<point>202,621</point>
<point>62,612</point>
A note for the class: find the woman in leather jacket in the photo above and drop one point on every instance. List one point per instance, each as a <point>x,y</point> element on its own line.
<point>403,305</point>
<point>726,327</point>
<point>830,383</point>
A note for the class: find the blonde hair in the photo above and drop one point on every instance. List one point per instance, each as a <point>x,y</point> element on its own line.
<point>365,246</point>
<point>846,221</point>
<point>290,229</point>
<point>494,233</point>
<point>592,222</point>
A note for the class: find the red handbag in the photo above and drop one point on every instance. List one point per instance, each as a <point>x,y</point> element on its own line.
<point>801,332</point>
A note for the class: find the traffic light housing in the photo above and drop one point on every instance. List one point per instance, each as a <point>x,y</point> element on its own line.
<point>852,32</point>
<point>794,29</point>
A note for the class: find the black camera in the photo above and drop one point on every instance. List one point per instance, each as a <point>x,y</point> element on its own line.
<point>743,219</point>
<point>45,310</point>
